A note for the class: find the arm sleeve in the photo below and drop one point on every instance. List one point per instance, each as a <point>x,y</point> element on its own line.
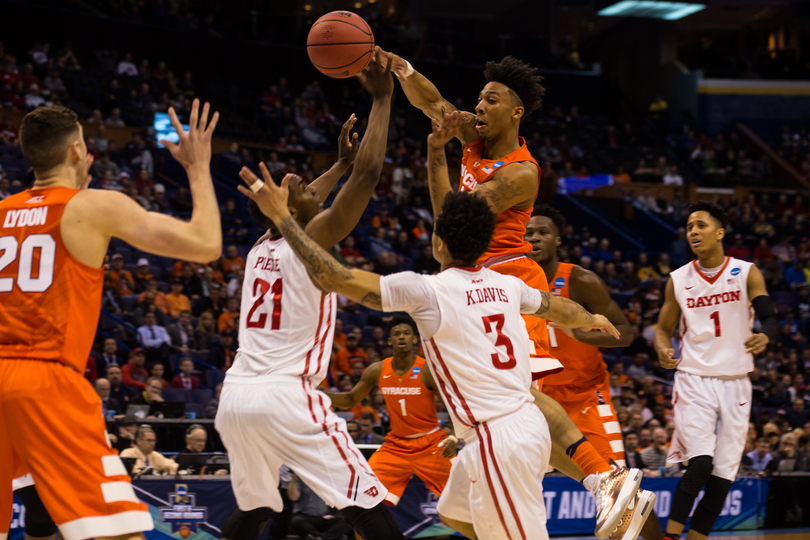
<point>530,299</point>
<point>763,307</point>
<point>411,292</point>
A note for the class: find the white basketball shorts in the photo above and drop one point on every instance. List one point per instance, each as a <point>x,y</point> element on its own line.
<point>496,482</point>
<point>711,419</point>
<point>266,424</point>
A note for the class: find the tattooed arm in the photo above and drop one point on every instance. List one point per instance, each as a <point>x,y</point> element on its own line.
<point>324,270</point>
<point>563,312</point>
<point>515,185</point>
<point>438,178</point>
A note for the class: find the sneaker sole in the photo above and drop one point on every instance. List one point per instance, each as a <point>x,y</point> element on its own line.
<point>626,495</point>
<point>646,502</point>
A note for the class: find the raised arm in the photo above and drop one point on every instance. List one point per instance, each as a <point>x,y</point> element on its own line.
<point>347,400</point>
<point>347,152</point>
<point>324,270</point>
<point>335,223</point>
<point>667,323</point>
<point>424,95</point>
<point>115,215</point>
<point>593,295</point>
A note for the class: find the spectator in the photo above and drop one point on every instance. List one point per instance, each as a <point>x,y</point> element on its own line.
<point>117,272</point>
<point>645,269</point>
<point>192,284</point>
<point>185,339</point>
<point>108,404</point>
<point>155,340</point>
<point>663,267</point>
<point>795,276</point>
<point>787,459</point>
<point>152,300</point>
<point>367,434</point>
<point>222,354</point>
<point>233,262</point>
<point>654,458</point>
<point>421,232</point>
<point>108,356</point>
<point>347,356</point>
<point>142,276</point>
<point>761,455</point>
<point>4,185</point>
<point>134,374</point>
<point>351,254</point>
<point>177,301</point>
<point>212,406</point>
<point>115,118</point>
<point>126,427</point>
<point>227,320</point>
<point>185,379</point>
<point>797,415</point>
<point>152,393</point>
<point>739,250</point>
<point>632,456</point>
<point>118,390</point>
<point>236,282</point>
<point>157,371</point>
<point>312,518</point>
<point>644,439</point>
<point>426,263</point>
<point>672,178</point>
<point>104,164</point>
<point>146,459</point>
<point>637,370</point>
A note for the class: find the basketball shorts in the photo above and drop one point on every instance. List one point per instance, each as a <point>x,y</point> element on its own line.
<point>268,424</point>
<point>51,426</point>
<point>398,458</point>
<point>496,482</point>
<point>711,419</point>
<point>592,412</point>
<point>542,361</point>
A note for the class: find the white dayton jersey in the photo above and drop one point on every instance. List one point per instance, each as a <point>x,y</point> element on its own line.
<point>286,324</point>
<point>474,337</point>
<point>716,319</point>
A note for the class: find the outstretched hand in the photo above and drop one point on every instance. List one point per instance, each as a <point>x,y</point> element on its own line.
<point>601,323</point>
<point>272,199</point>
<point>194,147</point>
<point>376,76</point>
<point>444,132</point>
<point>347,142</point>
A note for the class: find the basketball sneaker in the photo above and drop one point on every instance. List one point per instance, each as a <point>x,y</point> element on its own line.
<point>614,491</point>
<point>635,516</point>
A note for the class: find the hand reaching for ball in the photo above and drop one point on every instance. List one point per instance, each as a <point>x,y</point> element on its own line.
<point>376,78</point>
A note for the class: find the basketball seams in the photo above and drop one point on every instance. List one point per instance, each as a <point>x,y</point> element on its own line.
<point>359,58</point>
<point>368,33</point>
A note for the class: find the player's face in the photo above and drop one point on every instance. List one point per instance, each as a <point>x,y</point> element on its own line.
<point>303,200</point>
<point>495,111</point>
<point>703,232</point>
<point>544,238</point>
<point>402,339</point>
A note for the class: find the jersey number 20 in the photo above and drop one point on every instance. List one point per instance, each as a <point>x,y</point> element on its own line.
<point>262,287</point>
<point>25,268</point>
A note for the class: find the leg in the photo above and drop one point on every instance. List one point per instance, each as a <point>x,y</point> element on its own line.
<point>245,525</point>
<point>303,525</point>
<point>393,468</point>
<point>454,503</point>
<point>466,529</point>
<point>709,508</point>
<point>697,475</point>
<point>38,523</point>
<point>372,523</point>
<point>429,465</point>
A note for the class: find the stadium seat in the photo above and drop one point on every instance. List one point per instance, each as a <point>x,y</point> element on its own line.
<point>201,397</point>
<point>175,394</point>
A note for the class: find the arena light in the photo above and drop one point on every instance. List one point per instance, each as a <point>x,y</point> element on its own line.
<point>652,9</point>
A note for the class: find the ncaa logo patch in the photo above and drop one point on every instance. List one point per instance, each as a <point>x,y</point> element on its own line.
<point>559,282</point>
<point>497,164</point>
<point>415,372</point>
<point>735,271</point>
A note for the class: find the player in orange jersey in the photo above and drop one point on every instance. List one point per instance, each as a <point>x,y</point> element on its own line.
<point>497,166</point>
<point>583,388</point>
<point>413,445</point>
<point>53,242</point>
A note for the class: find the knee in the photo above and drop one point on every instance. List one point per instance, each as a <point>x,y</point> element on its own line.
<point>697,475</point>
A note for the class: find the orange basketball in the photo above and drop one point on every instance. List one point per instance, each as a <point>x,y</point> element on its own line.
<point>340,44</point>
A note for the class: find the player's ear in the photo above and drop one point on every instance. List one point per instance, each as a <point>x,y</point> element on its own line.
<point>721,233</point>
<point>518,112</point>
<point>558,241</point>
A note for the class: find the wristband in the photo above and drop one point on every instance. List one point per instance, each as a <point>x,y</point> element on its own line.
<point>408,70</point>
<point>256,186</point>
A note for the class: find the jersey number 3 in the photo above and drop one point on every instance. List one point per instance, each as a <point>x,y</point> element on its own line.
<point>262,287</point>
<point>501,340</point>
<point>45,246</point>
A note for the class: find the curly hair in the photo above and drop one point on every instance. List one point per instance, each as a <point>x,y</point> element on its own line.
<point>715,210</point>
<point>551,213</point>
<point>402,319</point>
<point>520,78</point>
<point>466,225</point>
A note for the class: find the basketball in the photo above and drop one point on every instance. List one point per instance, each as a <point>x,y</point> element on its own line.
<point>340,44</point>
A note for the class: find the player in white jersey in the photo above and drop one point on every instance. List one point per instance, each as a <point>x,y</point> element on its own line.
<point>270,413</point>
<point>712,298</point>
<point>477,347</point>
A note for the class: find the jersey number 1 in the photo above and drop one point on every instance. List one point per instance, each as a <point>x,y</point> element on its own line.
<point>501,340</point>
<point>25,269</point>
<point>262,287</point>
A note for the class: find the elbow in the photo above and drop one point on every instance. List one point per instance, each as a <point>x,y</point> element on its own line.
<point>626,340</point>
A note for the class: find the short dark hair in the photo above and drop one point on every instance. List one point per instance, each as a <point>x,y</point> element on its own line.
<point>520,78</point>
<point>44,136</point>
<point>466,225</point>
<point>551,213</point>
<point>142,430</point>
<point>368,416</point>
<point>402,319</point>
<point>715,210</point>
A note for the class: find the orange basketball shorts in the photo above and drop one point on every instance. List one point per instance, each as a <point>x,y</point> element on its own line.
<point>592,412</point>
<point>51,426</point>
<point>398,458</point>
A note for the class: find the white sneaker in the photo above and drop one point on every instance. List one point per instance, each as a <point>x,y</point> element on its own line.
<point>635,516</point>
<point>613,491</point>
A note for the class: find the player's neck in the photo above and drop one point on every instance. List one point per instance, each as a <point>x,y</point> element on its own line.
<point>500,146</point>
<point>550,267</point>
<point>55,180</point>
<point>402,364</point>
<point>712,260</point>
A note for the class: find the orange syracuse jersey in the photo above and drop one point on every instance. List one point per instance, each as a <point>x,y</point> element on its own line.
<point>510,226</point>
<point>410,403</point>
<point>583,363</point>
<point>49,301</point>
